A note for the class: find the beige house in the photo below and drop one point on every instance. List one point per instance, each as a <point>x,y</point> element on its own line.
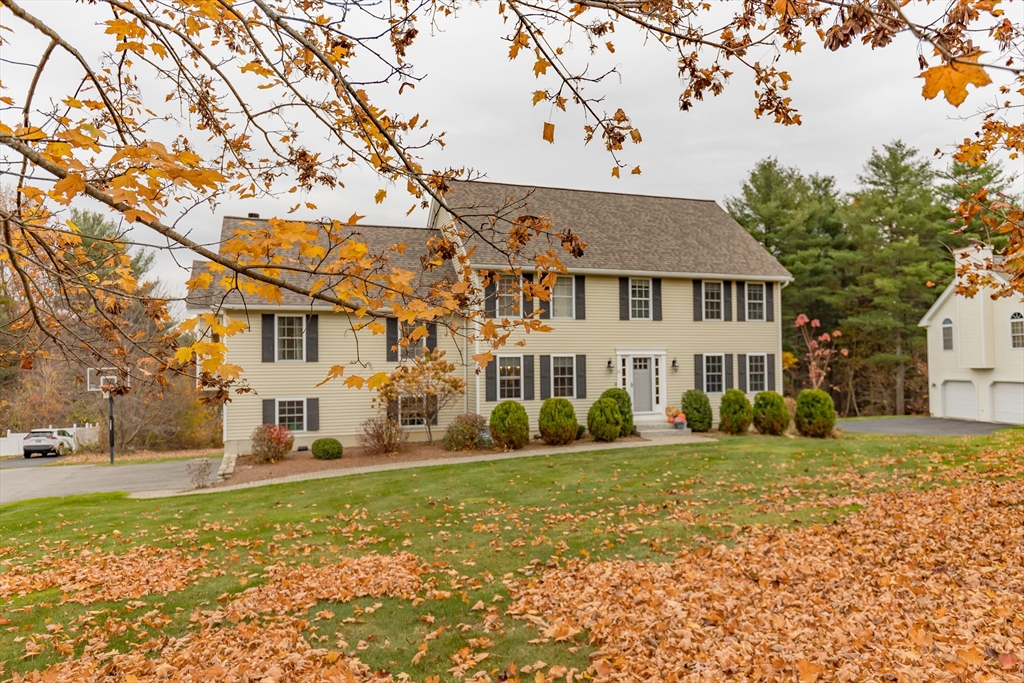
<point>670,294</point>
<point>976,350</point>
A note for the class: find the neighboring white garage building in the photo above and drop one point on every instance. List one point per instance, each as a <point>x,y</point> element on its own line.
<point>976,351</point>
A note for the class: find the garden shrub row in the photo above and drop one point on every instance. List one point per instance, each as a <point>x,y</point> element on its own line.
<point>814,413</point>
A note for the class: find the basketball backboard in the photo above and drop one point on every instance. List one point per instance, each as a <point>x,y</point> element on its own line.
<point>105,379</point>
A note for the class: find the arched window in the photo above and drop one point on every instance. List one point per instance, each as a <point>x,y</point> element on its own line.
<point>1017,331</point>
<point>947,335</point>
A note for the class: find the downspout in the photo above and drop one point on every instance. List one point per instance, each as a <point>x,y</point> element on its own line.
<point>778,368</point>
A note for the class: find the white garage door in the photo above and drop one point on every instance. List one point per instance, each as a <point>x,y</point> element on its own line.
<point>1008,402</point>
<point>960,399</point>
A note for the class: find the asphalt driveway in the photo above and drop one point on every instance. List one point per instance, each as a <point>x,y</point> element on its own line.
<point>34,461</point>
<point>921,426</point>
<point>26,483</point>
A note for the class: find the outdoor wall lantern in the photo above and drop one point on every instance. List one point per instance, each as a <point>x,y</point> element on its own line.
<point>675,365</point>
<point>611,365</point>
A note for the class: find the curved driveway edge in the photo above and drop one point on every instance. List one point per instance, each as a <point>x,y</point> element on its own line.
<point>921,426</point>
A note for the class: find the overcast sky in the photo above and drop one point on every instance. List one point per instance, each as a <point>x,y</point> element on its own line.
<point>850,101</point>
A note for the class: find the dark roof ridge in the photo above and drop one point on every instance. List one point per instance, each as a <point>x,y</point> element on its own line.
<point>573,189</point>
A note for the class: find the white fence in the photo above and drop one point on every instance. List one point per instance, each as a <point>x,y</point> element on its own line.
<point>11,443</point>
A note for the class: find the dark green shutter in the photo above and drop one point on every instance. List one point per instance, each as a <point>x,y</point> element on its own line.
<point>623,298</point>
<point>728,371</point>
<point>698,302</point>
<point>581,376</point>
<point>432,336</point>
<point>581,297</point>
<point>392,338</point>
<point>727,300</point>
<point>769,302</point>
<point>527,378</point>
<point>698,371</point>
<point>741,301</point>
<point>491,300</point>
<point>268,332</point>
<point>545,377</point>
<point>742,359</point>
<point>312,338</point>
<point>527,307</point>
<point>491,380</point>
<point>269,411</point>
<point>771,372</point>
<point>312,414</point>
<point>656,298</point>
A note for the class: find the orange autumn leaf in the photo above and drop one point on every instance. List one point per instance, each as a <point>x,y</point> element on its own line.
<point>952,79</point>
<point>809,671</point>
<point>549,132</point>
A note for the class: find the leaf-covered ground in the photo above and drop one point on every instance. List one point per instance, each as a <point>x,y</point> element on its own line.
<point>755,559</point>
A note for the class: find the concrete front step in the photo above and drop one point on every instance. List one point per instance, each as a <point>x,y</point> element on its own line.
<point>659,429</point>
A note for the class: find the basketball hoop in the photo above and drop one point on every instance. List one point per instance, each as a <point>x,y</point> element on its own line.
<point>105,389</point>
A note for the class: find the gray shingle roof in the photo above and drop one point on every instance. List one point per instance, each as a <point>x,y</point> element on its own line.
<point>624,232</point>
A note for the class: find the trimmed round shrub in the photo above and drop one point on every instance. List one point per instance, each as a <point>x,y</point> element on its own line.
<point>465,433</point>
<point>510,427</point>
<point>621,397</point>
<point>557,422</point>
<point>326,449</point>
<point>580,431</point>
<point>604,421</point>
<point>734,412</point>
<point>771,416</point>
<point>697,408</point>
<point>815,413</point>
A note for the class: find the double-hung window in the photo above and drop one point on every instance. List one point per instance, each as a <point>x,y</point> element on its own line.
<point>757,372</point>
<point>712,301</point>
<point>714,373</point>
<point>639,299</point>
<point>755,301</point>
<point>563,300</point>
<point>947,335</point>
<point>508,297</point>
<point>563,376</point>
<point>411,411</point>
<point>1017,331</point>
<point>291,337</point>
<point>510,377</point>
<point>415,347</point>
<point>292,414</point>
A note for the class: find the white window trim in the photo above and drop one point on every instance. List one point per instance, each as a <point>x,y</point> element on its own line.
<point>1016,317</point>
<point>764,301</point>
<point>305,413</point>
<point>714,355</point>
<point>650,298</point>
<point>518,293</point>
<point>704,300</point>
<point>750,388</point>
<point>406,353</point>
<point>522,381</point>
<point>398,411</point>
<point>573,359</point>
<point>942,338</point>
<point>277,338</point>
<point>572,301</point>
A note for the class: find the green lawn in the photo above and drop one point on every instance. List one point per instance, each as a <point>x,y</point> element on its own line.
<point>475,523</point>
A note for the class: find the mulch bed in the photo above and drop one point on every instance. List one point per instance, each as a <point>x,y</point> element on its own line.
<point>303,462</point>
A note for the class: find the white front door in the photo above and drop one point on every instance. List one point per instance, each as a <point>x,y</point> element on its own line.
<point>1008,402</point>
<point>960,400</point>
<point>643,384</point>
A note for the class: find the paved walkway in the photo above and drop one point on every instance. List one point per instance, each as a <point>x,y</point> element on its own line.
<point>66,480</point>
<point>669,440</point>
<point>921,426</point>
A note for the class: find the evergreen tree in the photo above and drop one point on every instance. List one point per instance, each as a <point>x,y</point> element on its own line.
<point>899,229</point>
<point>960,183</point>
<point>103,243</point>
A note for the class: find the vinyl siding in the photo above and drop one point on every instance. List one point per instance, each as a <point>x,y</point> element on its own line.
<point>601,337</point>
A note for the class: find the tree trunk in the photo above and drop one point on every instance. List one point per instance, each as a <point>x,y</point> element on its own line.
<point>901,372</point>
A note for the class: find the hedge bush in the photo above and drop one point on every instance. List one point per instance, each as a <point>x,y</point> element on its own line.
<point>557,422</point>
<point>621,397</point>
<point>771,416</point>
<point>604,421</point>
<point>697,408</point>
<point>382,435</point>
<point>510,427</point>
<point>465,433</point>
<point>735,412</point>
<point>580,431</point>
<point>271,443</point>
<point>327,449</point>
<point>815,413</point>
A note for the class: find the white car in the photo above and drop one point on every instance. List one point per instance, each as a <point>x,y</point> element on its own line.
<point>48,441</point>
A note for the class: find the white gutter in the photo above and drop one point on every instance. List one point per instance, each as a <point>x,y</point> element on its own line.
<point>652,273</point>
